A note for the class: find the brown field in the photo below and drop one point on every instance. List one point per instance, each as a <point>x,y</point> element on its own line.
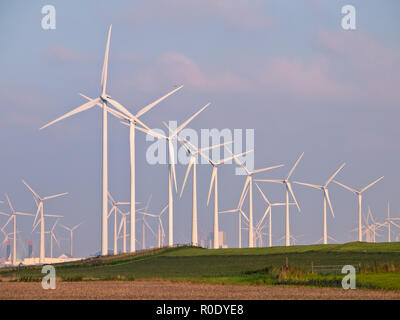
<point>148,290</point>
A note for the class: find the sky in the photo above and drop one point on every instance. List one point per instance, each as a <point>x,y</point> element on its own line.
<point>286,69</point>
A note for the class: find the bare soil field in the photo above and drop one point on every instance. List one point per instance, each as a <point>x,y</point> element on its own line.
<point>150,289</point>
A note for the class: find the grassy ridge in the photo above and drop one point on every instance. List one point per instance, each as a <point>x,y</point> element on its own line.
<point>379,262</point>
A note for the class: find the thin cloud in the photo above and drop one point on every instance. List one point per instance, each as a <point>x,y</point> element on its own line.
<point>244,14</point>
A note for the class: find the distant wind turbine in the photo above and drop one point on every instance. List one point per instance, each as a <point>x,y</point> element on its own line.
<point>359,193</point>
<point>268,211</point>
<point>171,167</point>
<point>249,183</point>
<point>325,192</point>
<point>12,216</point>
<point>288,188</point>
<point>214,184</point>
<point>39,202</point>
<point>71,233</point>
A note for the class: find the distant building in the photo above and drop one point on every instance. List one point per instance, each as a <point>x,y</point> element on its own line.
<point>221,239</point>
<point>30,251</point>
<point>8,250</point>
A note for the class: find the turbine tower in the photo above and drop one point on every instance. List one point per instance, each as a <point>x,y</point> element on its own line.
<point>325,192</point>
<point>288,188</point>
<point>359,193</point>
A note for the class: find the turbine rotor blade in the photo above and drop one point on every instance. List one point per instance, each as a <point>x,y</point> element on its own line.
<point>105,64</point>
<point>151,105</point>
<point>371,184</point>
<point>294,167</point>
<point>334,175</point>
<point>329,201</point>
<point>190,164</point>
<point>267,169</point>
<point>346,187</point>
<point>263,195</point>
<point>183,125</point>
<point>289,186</point>
<point>81,108</point>
<point>55,196</point>
<point>214,172</point>
<point>309,185</point>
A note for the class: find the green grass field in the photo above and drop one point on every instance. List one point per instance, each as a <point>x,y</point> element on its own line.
<point>378,264</point>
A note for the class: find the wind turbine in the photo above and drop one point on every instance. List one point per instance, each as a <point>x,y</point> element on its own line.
<point>389,222</point>
<point>132,123</point>
<point>71,232</point>
<point>53,237</point>
<point>268,211</point>
<point>104,99</point>
<point>123,225</point>
<point>240,214</point>
<point>171,166</point>
<point>114,206</point>
<point>12,216</point>
<point>214,184</point>
<point>325,192</point>
<point>39,202</point>
<point>193,152</point>
<point>359,193</point>
<point>249,183</point>
<point>288,187</point>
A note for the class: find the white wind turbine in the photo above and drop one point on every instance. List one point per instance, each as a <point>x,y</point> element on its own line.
<point>104,99</point>
<point>12,216</point>
<point>240,215</point>
<point>71,233</point>
<point>324,189</point>
<point>171,166</point>
<point>123,225</point>
<point>132,123</point>
<point>268,211</point>
<point>359,193</point>
<point>193,152</point>
<point>389,222</point>
<point>39,202</point>
<point>214,184</point>
<point>288,188</point>
<point>161,232</point>
<point>53,237</point>
<point>114,206</point>
<point>249,183</point>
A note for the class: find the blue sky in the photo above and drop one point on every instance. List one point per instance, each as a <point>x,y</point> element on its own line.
<point>286,69</point>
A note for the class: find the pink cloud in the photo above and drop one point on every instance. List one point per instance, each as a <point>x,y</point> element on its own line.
<point>376,66</point>
<point>298,78</point>
<point>61,53</point>
<point>176,68</point>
